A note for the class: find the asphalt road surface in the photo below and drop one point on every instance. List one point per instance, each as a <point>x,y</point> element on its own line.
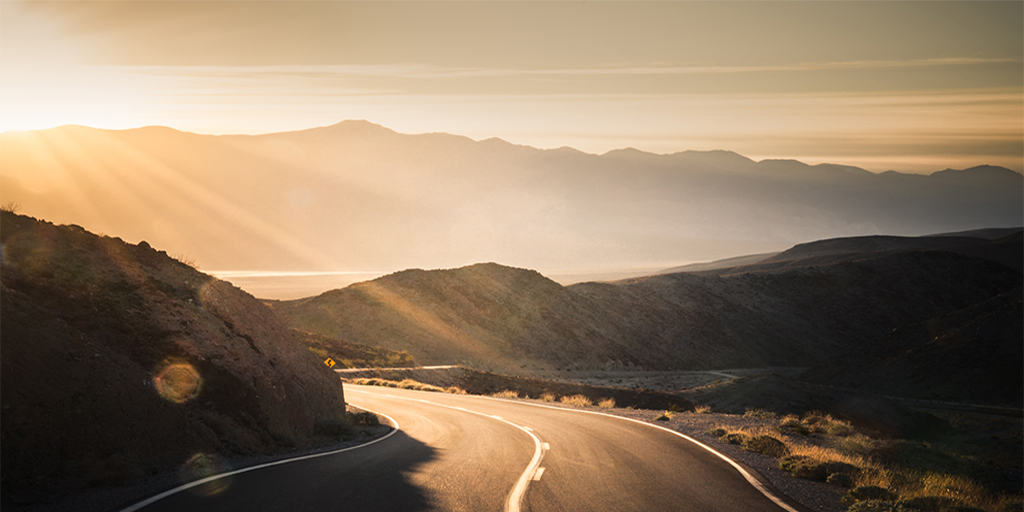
<point>476,454</point>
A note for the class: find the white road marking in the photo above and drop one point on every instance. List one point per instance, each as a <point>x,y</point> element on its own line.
<point>158,497</point>
<point>537,475</point>
<point>547,446</point>
<point>743,472</point>
<point>515,498</point>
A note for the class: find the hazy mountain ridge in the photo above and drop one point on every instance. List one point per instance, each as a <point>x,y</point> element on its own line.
<point>91,326</point>
<point>806,315</point>
<point>358,196</point>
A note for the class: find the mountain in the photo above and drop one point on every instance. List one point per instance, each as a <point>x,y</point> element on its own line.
<point>119,362</point>
<point>358,196</point>
<point>972,354</point>
<point>808,314</point>
<point>735,261</point>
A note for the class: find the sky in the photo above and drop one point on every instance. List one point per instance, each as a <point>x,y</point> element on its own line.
<point>908,86</point>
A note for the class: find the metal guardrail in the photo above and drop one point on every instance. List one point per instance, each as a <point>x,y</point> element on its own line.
<point>356,370</point>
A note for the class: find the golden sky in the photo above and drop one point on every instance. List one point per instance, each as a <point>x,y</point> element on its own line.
<point>910,86</point>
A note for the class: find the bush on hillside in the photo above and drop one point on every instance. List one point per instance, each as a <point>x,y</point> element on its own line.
<point>767,445</point>
<point>840,479</point>
<point>578,400</point>
<point>868,492</point>
<point>871,506</point>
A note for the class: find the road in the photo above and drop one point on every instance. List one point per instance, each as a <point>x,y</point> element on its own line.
<point>475,454</point>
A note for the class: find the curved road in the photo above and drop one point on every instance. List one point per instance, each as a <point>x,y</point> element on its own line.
<point>475,454</point>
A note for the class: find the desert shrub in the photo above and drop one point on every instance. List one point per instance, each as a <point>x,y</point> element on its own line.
<point>932,504</point>
<point>455,390</point>
<point>859,445</point>
<point>758,413</point>
<point>508,393</point>
<point>840,429</point>
<point>1016,506</point>
<point>607,403</point>
<point>793,424</point>
<point>675,408</point>
<point>767,445</point>
<point>868,492</point>
<point>871,506</point>
<point>812,417</point>
<point>816,421</point>
<point>547,397</point>
<point>840,479</point>
<point>702,409</point>
<point>802,466</point>
<point>364,419</point>
<point>717,432</point>
<point>735,438</point>
<point>924,504</point>
<point>578,400</point>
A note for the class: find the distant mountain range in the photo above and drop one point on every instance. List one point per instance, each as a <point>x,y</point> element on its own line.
<point>845,306</point>
<point>360,196</point>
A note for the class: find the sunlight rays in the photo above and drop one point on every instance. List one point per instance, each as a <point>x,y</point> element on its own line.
<point>441,332</point>
<point>177,200</point>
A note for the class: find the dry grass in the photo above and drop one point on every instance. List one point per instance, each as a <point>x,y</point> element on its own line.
<point>578,400</point>
<point>187,260</point>
<point>835,441</point>
<point>702,409</point>
<point>508,393</point>
<point>606,403</point>
<point>407,384</point>
<point>547,397</point>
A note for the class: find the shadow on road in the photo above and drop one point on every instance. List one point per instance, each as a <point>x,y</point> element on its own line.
<point>372,478</point>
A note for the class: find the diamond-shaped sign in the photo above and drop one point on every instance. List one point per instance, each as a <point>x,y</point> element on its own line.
<point>329,362</point>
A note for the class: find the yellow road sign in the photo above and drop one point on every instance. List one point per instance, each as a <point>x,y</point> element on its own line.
<point>329,362</point>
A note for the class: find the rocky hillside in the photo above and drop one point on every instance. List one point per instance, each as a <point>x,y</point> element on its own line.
<point>973,354</point>
<point>119,361</point>
<point>802,315</point>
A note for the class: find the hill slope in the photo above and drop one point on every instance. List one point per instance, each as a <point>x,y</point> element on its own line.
<point>118,361</point>
<point>811,315</point>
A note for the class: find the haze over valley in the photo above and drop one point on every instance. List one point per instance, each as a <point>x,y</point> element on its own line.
<point>359,197</point>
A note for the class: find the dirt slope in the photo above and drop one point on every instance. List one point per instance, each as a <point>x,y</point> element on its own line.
<point>118,361</point>
<point>510,319</point>
<point>973,354</point>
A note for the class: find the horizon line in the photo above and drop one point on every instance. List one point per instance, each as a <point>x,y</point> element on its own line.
<point>499,139</point>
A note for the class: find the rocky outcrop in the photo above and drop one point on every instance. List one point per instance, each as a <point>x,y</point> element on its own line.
<point>119,361</point>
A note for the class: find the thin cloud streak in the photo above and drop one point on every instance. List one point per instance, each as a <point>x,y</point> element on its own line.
<point>431,71</point>
<point>252,100</point>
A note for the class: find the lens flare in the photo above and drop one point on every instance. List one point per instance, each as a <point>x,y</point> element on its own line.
<point>203,465</point>
<point>178,382</point>
<point>206,294</point>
